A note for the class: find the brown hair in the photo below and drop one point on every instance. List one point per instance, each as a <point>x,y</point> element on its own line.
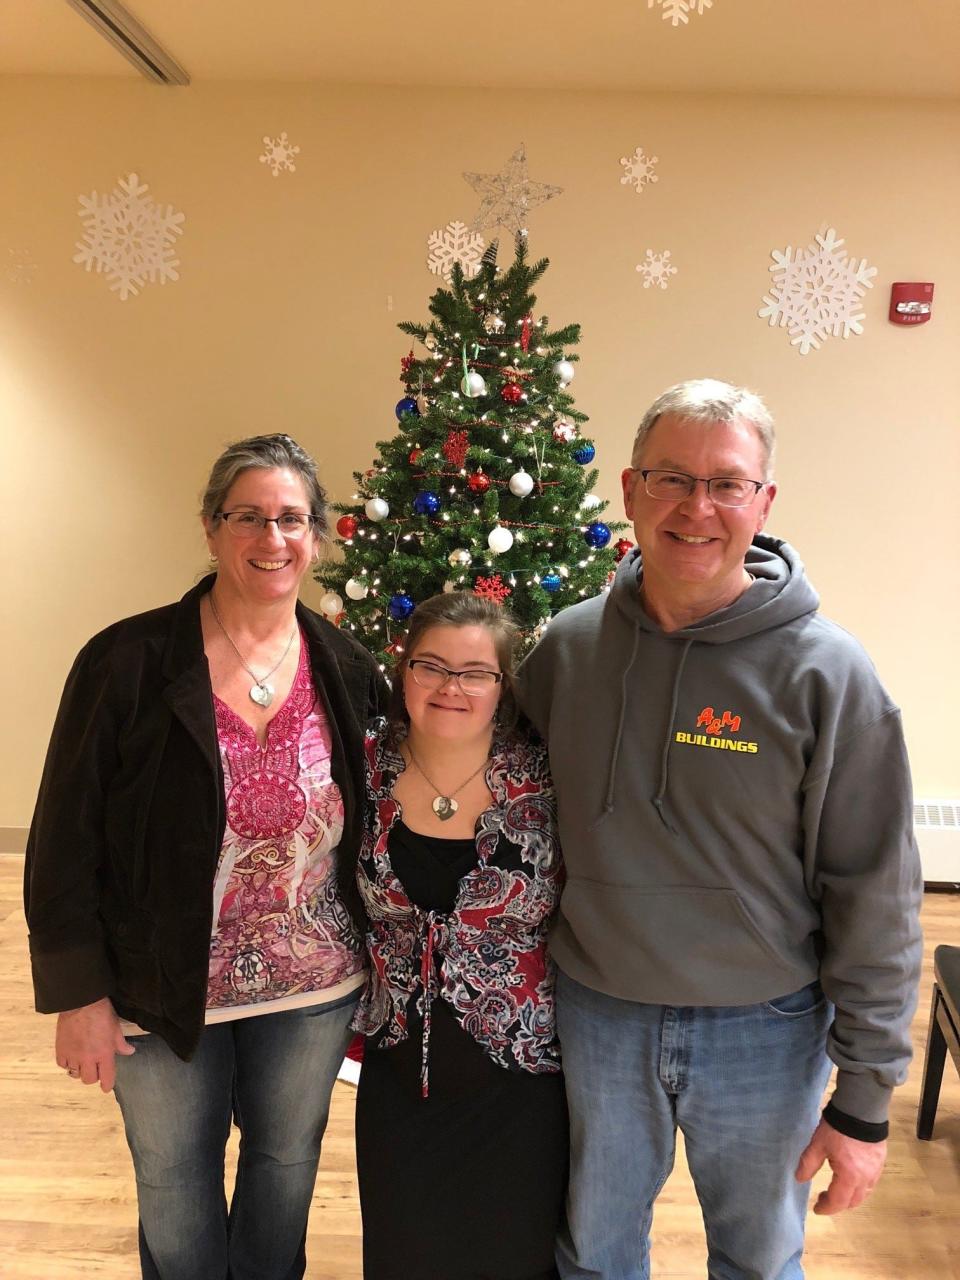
<point>459,609</point>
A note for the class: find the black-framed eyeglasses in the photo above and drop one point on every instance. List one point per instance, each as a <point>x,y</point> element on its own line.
<point>725,491</point>
<point>432,676</point>
<point>248,524</point>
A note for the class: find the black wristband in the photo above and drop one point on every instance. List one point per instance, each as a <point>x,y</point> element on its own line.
<point>851,1127</point>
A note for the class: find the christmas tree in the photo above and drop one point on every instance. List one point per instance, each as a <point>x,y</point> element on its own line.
<point>486,484</point>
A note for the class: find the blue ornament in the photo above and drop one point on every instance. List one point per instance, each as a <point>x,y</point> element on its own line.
<point>551,582</point>
<point>584,453</point>
<point>596,535</point>
<point>405,406</point>
<point>426,503</point>
<point>400,607</point>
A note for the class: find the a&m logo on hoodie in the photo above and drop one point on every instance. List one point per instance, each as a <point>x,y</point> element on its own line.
<point>718,732</point>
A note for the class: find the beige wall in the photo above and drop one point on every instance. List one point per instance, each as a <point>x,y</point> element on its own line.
<point>290,289</point>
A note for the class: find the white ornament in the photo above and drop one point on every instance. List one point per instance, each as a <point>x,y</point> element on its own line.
<point>331,604</point>
<point>590,502</point>
<point>564,371</point>
<point>499,539</point>
<point>473,385</point>
<point>676,11</point>
<point>454,243</point>
<point>564,430</point>
<point>656,269</point>
<point>639,170</point>
<point>508,196</point>
<point>376,509</point>
<point>817,292</point>
<point>129,237</point>
<point>356,589</point>
<point>521,484</point>
<point>460,558</point>
<point>279,154</point>
<point>449,586</point>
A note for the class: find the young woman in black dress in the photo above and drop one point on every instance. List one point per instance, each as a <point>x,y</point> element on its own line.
<point>461,1116</point>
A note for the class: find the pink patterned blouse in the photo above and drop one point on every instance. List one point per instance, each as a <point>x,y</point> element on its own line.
<point>282,938</point>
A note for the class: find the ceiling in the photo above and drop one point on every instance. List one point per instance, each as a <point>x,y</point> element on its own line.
<point>891,48</point>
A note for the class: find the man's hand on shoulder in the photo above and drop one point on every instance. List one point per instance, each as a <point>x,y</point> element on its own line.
<point>856,1168</point>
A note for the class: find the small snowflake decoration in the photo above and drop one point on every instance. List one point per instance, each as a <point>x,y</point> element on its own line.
<point>817,292</point>
<point>279,154</point>
<point>492,588</point>
<point>656,269</point>
<point>20,267</point>
<point>639,170</point>
<point>454,243</point>
<point>129,237</point>
<point>678,11</point>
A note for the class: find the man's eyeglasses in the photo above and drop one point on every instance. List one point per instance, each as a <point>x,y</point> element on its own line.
<point>725,491</point>
<point>430,675</point>
<point>248,524</point>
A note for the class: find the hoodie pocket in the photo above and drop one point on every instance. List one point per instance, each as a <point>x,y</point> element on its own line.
<point>669,945</point>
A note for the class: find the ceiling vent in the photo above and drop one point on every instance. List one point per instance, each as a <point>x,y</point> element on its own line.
<point>128,37</point>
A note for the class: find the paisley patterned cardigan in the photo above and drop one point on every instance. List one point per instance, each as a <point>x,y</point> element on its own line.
<point>494,971</point>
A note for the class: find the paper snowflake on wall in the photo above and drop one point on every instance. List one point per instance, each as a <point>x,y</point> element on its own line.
<point>817,292</point>
<point>639,170</point>
<point>656,269</point>
<point>677,11</point>
<point>454,243</point>
<point>279,153</point>
<point>129,237</point>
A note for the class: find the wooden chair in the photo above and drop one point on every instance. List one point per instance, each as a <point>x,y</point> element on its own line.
<point>944,1034</point>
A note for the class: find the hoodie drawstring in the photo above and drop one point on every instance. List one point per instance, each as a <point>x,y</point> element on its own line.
<point>618,736</point>
<point>668,740</point>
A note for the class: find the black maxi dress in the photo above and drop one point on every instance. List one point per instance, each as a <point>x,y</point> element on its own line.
<point>467,1184</point>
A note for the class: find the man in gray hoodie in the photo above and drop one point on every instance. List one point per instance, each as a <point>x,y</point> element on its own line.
<point>743,886</point>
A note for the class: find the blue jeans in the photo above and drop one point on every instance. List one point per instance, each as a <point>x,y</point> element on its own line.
<point>273,1074</point>
<point>743,1083</point>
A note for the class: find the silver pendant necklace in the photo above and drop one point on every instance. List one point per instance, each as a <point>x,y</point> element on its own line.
<point>260,691</point>
<point>444,806</point>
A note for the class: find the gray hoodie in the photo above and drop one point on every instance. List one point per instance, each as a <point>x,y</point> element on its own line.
<point>735,813</point>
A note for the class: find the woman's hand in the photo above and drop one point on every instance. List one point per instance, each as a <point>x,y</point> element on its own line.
<point>87,1040</point>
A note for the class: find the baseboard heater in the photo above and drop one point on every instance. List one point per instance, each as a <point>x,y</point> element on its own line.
<point>937,827</point>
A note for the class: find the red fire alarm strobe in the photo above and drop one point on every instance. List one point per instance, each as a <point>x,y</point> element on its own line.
<point>910,303</point>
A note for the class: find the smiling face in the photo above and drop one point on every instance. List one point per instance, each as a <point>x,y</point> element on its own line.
<point>693,550</point>
<point>448,712</point>
<point>268,567</point>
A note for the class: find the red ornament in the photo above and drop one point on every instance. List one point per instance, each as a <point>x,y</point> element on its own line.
<point>340,618</point>
<point>455,448</point>
<point>622,547</point>
<point>406,364</point>
<point>347,526</point>
<point>478,482</point>
<point>511,392</point>
<point>493,588</point>
<point>414,456</point>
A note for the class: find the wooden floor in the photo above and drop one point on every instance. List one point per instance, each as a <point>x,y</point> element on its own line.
<point>68,1206</point>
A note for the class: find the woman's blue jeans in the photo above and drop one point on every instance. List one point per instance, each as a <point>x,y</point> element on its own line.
<point>273,1074</point>
<point>743,1083</point>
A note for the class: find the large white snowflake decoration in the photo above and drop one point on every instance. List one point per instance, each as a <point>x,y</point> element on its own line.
<point>817,292</point>
<point>129,237</point>
<point>677,11</point>
<point>639,170</point>
<point>656,269</point>
<point>279,154</point>
<point>454,243</point>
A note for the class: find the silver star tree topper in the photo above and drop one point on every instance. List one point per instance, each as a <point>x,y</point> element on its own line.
<point>508,196</point>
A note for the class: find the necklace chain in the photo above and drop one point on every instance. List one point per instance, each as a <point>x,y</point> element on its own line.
<point>261,693</point>
<point>444,806</point>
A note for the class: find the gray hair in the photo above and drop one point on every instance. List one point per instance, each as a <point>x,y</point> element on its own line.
<point>708,401</point>
<point>267,453</point>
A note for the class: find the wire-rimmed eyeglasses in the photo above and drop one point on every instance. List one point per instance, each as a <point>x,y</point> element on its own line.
<point>674,486</point>
<point>432,676</point>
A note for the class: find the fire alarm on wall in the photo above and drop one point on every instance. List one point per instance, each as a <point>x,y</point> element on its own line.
<point>910,303</point>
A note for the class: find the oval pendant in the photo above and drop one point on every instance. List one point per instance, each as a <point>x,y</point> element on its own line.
<point>262,694</point>
<point>444,807</point>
